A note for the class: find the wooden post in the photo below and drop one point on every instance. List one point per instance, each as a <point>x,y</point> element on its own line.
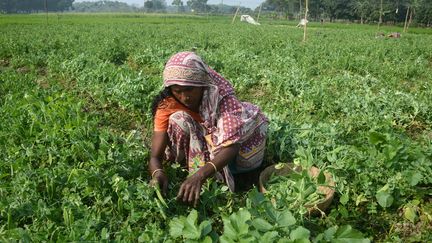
<point>380,14</point>
<point>259,12</point>
<point>305,18</point>
<point>235,15</point>
<point>410,18</point>
<point>406,19</point>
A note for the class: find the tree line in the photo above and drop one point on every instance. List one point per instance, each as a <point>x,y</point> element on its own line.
<point>195,6</point>
<point>30,6</point>
<point>104,6</point>
<point>394,11</point>
<point>363,11</point>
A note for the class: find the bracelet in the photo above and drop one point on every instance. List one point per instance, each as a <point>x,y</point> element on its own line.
<point>214,166</point>
<point>154,172</point>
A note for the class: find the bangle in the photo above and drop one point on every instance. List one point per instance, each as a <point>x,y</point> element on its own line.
<point>214,166</point>
<point>154,172</point>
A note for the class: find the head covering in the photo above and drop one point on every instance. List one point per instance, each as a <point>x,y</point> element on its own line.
<point>186,69</point>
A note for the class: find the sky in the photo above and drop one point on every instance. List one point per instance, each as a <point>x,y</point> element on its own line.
<point>246,3</point>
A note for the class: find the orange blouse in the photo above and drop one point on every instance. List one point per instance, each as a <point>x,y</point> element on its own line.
<point>166,108</point>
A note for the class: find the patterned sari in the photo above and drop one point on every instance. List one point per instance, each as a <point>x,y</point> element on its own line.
<point>225,120</point>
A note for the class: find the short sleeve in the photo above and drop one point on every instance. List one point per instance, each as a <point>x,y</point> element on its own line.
<point>161,120</point>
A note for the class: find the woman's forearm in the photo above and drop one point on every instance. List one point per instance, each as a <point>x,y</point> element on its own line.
<point>222,159</point>
<point>159,143</point>
<point>154,164</point>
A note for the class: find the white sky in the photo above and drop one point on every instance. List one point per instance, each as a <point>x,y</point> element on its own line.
<point>247,3</point>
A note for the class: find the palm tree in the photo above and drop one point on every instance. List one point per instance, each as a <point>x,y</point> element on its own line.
<point>361,7</point>
<point>177,3</point>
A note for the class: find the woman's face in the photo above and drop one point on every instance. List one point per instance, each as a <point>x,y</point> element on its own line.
<point>190,96</point>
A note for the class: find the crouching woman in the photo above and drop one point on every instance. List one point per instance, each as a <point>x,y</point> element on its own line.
<point>199,123</point>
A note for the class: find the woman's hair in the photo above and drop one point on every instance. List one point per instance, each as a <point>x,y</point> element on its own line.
<point>166,92</point>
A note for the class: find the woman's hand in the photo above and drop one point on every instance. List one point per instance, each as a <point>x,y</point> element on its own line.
<point>190,189</point>
<point>161,180</point>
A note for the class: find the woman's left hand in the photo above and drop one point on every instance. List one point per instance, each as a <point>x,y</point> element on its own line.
<point>190,189</point>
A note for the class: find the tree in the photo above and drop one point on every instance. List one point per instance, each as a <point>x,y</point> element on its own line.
<point>148,5</point>
<point>179,4</point>
<point>103,6</point>
<point>155,5</point>
<point>197,5</point>
<point>28,6</point>
<point>315,9</point>
<point>424,12</point>
<point>361,8</point>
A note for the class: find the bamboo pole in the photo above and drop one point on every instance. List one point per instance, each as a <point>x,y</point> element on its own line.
<point>410,18</point>
<point>259,12</point>
<point>406,19</point>
<point>305,17</point>
<point>235,15</point>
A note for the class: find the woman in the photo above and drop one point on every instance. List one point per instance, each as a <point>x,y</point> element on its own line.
<point>201,124</point>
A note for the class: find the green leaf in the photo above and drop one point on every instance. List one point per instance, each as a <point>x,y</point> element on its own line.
<point>346,234</point>
<point>261,224</point>
<point>271,212</point>
<point>207,239</point>
<point>299,233</point>
<point>235,226</point>
<point>343,211</point>
<point>360,199</point>
<point>285,219</point>
<point>269,236</point>
<point>187,228</point>
<point>225,239</point>
<point>330,232</point>
<point>192,217</point>
<point>347,231</point>
<point>104,234</point>
<point>410,213</point>
<point>205,228</point>
<point>256,197</point>
<point>344,198</point>
<point>376,138</point>
<point>321,179</point>
<point>191,230</point>
<point>385,199</point>
<point>414,178</point>
<point>176,227</point>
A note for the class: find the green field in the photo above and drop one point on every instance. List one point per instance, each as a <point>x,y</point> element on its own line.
<point>75,125</point>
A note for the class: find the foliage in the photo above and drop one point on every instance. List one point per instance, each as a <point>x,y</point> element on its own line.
<point>103,6</point>
<point>28,6</point>
<point>363,10</point>
<point>75,127</point>
<point>154,5</point>
<point>296,191</point>
<point>197,5</point>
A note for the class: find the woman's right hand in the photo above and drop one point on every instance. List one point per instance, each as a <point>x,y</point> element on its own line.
<point>161,180</point>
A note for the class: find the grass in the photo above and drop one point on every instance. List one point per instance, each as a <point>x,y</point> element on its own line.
<point>75,98</point>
